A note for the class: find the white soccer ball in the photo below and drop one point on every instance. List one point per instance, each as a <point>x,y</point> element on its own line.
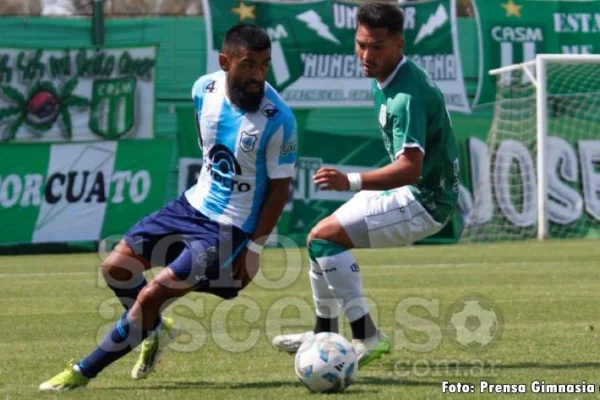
<point>326,363</point>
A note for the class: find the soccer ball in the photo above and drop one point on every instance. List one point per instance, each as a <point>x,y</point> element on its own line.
<point>326,363</point>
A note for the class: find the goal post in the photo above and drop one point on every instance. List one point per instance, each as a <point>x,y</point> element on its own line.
<point>542,152</point>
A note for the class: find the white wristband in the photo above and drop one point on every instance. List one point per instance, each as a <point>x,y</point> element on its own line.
<point>355,181</point>
<point>254,247</point>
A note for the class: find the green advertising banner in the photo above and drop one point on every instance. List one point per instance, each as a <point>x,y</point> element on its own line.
<point>515,31</point>
<point>77,94</point>
<point>314,64</point>
<point>80,192</point>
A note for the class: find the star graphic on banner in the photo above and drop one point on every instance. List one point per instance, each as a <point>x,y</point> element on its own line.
<point>244,11</point>
<point>512,9</point>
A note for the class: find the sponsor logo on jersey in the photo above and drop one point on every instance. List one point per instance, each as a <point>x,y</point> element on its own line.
<point>270,111</point>
<point>288,147</point>
<point>223,166</point>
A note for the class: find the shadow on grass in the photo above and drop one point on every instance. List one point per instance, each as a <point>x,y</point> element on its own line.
<point>205,385</point>
<point>182,385</point>
<point>370,380</point>
<point>462,369</point>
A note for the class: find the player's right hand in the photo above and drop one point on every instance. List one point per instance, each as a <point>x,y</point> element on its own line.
<point>246,267</point>
<point>331,179</point>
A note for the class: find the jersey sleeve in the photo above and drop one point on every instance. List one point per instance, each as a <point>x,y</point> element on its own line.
<point>282,150</point>
<point>198,94</point>
<point>409,124</point>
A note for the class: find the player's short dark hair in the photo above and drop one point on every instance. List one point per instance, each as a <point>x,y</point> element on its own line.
<point>247,36</point>
<point>376,15</point>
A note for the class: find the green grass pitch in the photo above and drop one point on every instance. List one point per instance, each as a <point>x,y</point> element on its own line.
<point>54,307</point>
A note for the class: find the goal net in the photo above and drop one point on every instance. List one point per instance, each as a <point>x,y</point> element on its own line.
<point>538,174</point>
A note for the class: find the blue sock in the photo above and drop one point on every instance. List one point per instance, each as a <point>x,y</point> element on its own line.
<point>124,337</point>
<point>128,295</point>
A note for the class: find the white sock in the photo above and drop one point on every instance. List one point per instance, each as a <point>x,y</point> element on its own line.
<point>342,274</point>
<point>326,304</point>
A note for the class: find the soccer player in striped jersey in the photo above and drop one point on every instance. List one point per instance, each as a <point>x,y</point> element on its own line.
<point>405,201</point>
<point>210,238</point>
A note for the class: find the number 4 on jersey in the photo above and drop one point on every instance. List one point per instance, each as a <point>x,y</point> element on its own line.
<point>210,86</point>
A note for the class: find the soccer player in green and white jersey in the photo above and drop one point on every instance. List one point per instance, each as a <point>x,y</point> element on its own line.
<point>407,200</point>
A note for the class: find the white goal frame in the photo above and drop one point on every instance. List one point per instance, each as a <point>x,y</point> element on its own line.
<point>539,82</point>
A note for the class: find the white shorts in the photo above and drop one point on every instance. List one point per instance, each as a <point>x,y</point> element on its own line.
<point>392,218</point>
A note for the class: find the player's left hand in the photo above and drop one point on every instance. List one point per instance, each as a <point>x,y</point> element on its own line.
<point>331,179</point>
<point>246,267</point>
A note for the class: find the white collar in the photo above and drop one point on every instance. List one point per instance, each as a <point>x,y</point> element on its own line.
<point>392,75</point>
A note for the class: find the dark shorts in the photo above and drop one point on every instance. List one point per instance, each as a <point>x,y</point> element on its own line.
<point>199,250</point>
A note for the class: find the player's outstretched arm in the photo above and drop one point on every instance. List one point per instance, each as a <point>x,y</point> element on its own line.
<point>406,170</point>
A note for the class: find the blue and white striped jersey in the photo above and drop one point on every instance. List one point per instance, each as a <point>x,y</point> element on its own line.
<point>241,152</point>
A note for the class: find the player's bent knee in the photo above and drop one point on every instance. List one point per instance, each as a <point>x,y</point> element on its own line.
<point>322,231</point>
<point>330,230</point>
<point>112,273</point>
<point>123,264</point>
<point>153,295</point>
